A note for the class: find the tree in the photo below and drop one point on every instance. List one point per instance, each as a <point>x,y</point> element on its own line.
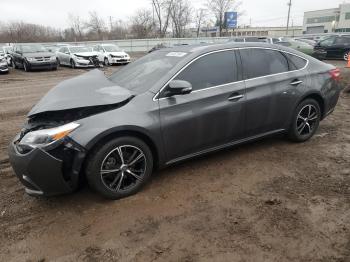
<point>180,12</point>
<point>200,17</point>
<point>142,23</point>
<point>96,25</point>
<point>218,9</point>
<point>162,9</point>
<point>77,26</point>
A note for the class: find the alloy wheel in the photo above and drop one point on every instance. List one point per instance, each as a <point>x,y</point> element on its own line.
<point>123,168</point>
<point>306,120</point>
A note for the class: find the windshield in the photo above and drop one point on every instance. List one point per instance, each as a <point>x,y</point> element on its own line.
<point>79,49</point>
<point>111,48</point>
<point>145,72</point>
<point>33,48</point>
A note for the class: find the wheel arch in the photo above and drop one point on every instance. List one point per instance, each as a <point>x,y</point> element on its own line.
<point>111,134</point>
<point>317,97</point>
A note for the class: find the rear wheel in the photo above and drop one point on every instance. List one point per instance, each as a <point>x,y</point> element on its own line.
<point>120,167</point>
<point>306,120</point>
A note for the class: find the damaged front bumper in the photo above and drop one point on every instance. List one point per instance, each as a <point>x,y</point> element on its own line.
<point>48,171</point>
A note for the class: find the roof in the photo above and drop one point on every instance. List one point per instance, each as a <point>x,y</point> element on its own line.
<point>204,48</point>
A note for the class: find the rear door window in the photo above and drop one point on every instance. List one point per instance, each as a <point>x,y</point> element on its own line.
<point>211,70</point>
<point>259,62</point>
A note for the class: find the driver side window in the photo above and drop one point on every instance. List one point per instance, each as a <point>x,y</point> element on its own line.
<point>211,70</point>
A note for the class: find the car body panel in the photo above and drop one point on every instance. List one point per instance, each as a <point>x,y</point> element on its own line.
<point>182,126</point>
<point>90,89</point>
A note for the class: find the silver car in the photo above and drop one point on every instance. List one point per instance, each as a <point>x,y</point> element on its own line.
<point>77,56</point>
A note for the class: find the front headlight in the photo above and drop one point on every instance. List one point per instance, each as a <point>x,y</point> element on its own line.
<point>53,58</point>
<point>29,59</point>
<point>45,137</point>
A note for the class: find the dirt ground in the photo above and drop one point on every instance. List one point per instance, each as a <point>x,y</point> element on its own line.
<point>271,200</point>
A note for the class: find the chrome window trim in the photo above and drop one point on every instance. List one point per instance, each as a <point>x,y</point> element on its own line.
<point>155,97</point>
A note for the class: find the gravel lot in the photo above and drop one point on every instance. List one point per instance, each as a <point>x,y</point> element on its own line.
<point>267,201</point>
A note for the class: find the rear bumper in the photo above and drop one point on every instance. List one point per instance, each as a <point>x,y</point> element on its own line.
<point>45,172</point>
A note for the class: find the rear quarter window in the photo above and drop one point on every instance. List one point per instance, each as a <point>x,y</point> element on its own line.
<point>295,62</point>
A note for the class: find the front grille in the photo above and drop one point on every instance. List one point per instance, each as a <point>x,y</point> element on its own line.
<point>42,59</point>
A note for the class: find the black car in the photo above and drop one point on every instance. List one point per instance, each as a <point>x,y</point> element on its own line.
<point>333,47</point>
<point>166,107</point>
<point>32,56</point>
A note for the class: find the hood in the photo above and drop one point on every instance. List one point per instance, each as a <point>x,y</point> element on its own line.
<point>90,89</point>
<point>85,54</point>
<point>38,54</point>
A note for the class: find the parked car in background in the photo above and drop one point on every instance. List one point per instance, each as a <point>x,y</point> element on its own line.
<point>77,56</point>
<point>54,47</point>
<point>32,56</point>
<point>111,54</point>
<point>252,39</point>
<point>166,107</point>
<point>6,52</point>
<point>333,47</point>
<point>308,41</point>
<point>297,45</point>
<point>3,64</point>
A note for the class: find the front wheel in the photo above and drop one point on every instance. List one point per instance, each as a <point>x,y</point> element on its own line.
<point>72,64</point>
<point>25,67</point>
<point>14,66</point>
<point>306,120</point>
<point>106,62</point>
<point>120,167</point>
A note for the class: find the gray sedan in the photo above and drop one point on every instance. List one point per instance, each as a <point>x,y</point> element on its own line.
<point>169,106</point>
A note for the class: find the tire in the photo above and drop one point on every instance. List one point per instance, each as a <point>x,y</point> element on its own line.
<point>346,55</point>
<point>25,67</point>
<point>106,62</point>
<point>58,62</point>
<point>13,64</point>
<point>72,64</point>
<point>120,183</point>
<point>305,122</point>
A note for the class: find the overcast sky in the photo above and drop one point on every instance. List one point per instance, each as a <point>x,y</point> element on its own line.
<point>54,13</point>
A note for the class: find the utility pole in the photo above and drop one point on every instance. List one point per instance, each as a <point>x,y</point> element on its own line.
<point>290,5</point>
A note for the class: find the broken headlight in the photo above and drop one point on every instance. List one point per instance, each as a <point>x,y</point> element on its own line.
<point>44,137</point>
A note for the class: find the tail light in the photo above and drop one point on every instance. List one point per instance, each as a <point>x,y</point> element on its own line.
<point>335,74</point>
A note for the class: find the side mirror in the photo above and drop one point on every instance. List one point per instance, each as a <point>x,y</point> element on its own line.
<point>178,87</point>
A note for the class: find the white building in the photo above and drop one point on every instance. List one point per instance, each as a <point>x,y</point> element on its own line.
<point>327,20</point>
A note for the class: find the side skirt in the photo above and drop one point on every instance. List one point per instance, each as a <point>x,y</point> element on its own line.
<point>234,143</point>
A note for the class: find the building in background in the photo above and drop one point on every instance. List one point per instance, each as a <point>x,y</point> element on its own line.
<point>247,31</point>
<point>327,20</point>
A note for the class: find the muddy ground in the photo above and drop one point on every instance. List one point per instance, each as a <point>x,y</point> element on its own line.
<point>267,201</point>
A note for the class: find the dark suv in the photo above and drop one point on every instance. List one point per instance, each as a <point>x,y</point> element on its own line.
<point>333,47</point>
<point>32,56</point>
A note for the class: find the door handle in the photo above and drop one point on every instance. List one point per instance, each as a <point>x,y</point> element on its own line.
<point>235,97</point>
<point>296,82</point>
